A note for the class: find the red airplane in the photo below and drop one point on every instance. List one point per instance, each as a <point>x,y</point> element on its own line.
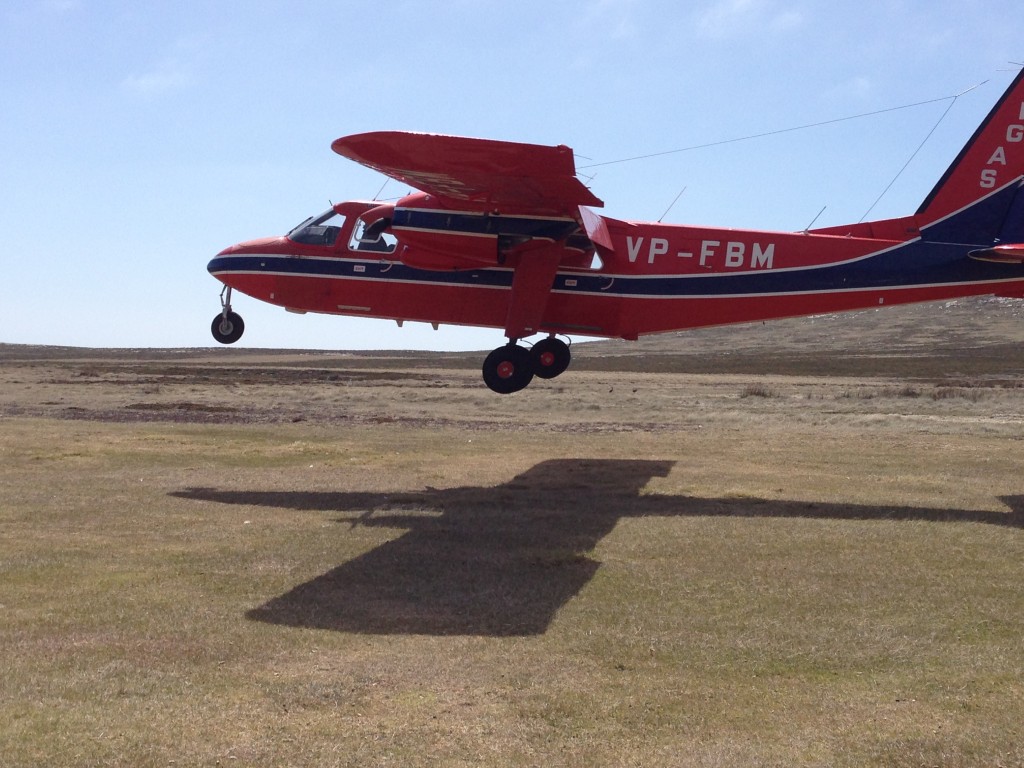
<point>502,235</point>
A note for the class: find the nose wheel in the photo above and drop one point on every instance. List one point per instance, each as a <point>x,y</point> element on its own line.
<point>227,327</point>
<point>511,368</point>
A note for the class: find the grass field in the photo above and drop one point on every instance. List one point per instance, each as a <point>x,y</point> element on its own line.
<point>275,560</point>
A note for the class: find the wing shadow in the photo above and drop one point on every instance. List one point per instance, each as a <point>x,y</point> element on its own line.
<point>501,561</point>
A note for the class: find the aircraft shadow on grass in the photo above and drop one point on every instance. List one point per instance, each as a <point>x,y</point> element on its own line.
<point>501,561</point>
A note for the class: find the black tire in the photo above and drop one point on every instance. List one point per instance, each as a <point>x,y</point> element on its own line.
<point>551,357</point>
<point>227,330</point>
<point>508,369</point>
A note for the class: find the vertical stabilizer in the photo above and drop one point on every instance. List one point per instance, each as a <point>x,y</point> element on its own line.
<point>989,167</point>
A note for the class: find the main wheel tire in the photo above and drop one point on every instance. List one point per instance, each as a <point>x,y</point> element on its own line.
<point>227,330</point>
<point>508,369</point>
<point>551,357</point>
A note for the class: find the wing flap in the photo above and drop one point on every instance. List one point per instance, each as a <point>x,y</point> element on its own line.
<point>487,173</point>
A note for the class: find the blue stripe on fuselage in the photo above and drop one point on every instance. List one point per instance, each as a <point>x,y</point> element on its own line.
<point>458,223</point>
<point>337,268</point>
<point>982,222</point>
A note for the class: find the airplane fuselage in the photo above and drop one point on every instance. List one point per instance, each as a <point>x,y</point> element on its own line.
<point>655,278</point>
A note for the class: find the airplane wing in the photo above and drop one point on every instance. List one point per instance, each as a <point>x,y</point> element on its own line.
<point>527,177</point>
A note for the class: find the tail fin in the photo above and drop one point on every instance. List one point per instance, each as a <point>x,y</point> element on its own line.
<point>976,199</point>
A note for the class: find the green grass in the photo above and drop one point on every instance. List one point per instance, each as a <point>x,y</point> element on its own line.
<point>343,595</point>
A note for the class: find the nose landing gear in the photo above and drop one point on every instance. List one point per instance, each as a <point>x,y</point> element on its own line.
<point>227,327</point>
<point>511,368</point>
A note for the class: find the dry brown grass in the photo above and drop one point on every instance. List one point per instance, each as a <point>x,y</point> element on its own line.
<point>253,564</point>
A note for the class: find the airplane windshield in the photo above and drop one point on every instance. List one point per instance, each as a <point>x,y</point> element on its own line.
<point>318,230</point>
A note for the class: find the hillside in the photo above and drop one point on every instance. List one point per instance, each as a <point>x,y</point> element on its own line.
<point>966,337</point>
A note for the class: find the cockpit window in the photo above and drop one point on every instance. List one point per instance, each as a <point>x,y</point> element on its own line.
<point>318,230</point>
<point>370,236</point>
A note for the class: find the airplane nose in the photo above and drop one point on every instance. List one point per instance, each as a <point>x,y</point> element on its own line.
<point>218,263</point>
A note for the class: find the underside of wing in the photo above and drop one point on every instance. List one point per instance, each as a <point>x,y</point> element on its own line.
<point>488,174</point>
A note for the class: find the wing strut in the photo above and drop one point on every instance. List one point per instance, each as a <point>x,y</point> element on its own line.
<point>531,286</point>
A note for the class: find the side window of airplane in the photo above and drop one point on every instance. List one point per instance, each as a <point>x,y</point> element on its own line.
<point>586,256</point>
<point>372,237</point>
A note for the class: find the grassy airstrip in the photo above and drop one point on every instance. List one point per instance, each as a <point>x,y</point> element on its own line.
<point>285,560</point>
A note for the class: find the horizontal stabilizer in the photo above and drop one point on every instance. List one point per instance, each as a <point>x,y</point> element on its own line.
<point>1002,254</point>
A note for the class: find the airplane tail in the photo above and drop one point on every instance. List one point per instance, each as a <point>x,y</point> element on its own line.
<point>978,200</point>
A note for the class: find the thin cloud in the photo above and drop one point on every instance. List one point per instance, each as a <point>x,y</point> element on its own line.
<point>616,19</point>
<point>61,6</point>
<point>786,20</point>
<point>736,18</point>
<point>168,76</point>
<point>857,87</point>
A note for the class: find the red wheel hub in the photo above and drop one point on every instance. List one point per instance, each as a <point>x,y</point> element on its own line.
<point>506,369</point>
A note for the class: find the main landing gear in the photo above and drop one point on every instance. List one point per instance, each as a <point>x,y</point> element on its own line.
<point>511,368</point>
<point>227,327</point>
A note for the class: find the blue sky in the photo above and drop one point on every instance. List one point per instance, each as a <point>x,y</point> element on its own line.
<point>140,138</point>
